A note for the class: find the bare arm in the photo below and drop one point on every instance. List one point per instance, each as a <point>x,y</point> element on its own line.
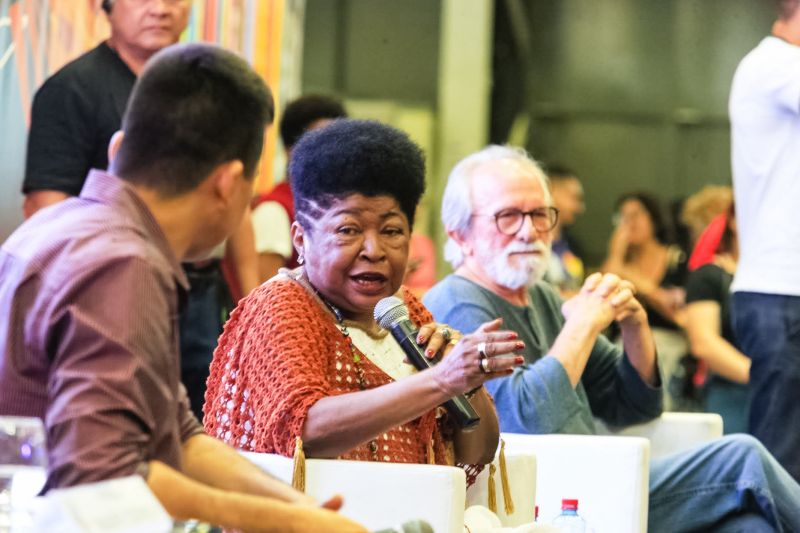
<point>268,265</point>
<point>336,424</point>
<point>216,464</point>
<point>242,251</point>
<point>703,326</point>
<point>617,248</point>
<point>660,300</point>
<point>604,298</point>
<point>587,314</point>
<point>573,346</point>
<point>36,200</point>
<point>186,498</point>
<point>637,338</point>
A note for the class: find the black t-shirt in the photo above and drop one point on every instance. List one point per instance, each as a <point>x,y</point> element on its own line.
<point>710,282</point>
<point>74,115</point>
<point>674,277</point>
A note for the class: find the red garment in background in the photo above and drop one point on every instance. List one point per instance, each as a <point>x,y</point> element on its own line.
<point>422,254</point>
<point>282,194</point>
<point>707,244</point>
<point>703,253</point>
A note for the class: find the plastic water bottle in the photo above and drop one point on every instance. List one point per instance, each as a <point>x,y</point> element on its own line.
<point>569,521</point>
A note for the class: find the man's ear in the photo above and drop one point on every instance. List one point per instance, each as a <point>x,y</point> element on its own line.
<point>458,238</point>
<point>225,179</point>
<point>113,145</point>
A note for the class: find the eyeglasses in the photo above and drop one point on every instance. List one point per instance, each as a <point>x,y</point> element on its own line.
<point>509,221</point>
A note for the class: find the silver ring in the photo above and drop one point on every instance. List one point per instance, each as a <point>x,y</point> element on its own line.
<point>485,366</point>
<point>482,350</point>
<point>446,334</point>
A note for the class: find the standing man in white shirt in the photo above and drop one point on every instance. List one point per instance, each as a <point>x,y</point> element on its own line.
<point>765,145</point>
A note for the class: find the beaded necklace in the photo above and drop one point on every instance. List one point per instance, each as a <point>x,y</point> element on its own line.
<point>357,360</point>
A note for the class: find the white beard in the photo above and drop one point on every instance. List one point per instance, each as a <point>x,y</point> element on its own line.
<point>517,272</point>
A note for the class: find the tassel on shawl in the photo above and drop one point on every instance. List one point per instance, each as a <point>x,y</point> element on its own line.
<point>507,499</point>
<point>492,503</point>
<point>299,466</point>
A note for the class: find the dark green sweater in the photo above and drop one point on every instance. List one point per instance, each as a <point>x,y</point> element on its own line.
<point>538,397</point>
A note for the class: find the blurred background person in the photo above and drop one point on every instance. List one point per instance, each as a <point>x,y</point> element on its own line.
<point>702,207</point>
<point>565,270</point>
<point>303,356</point>
<point>273,212</point>
<point>77,110</point>
<point>421,267</point>
<point>641,252</point>
<point>708,322</point>
<point>679,232</point>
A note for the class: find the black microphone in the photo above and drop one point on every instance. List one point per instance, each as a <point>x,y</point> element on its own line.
<point>412,526</point>
<point>392,314</point>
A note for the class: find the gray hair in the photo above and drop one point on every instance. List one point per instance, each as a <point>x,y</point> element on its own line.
<point>457,202</point>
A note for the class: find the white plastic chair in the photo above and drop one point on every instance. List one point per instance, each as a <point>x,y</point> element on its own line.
<point>609,474</point>
<point>672,432</point>
<point>521,469</point>
<point>382,495</point>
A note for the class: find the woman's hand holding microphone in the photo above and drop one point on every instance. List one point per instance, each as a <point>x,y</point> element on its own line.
<point>470,360</point>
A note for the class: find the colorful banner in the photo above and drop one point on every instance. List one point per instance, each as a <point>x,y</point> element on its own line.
<point>37,37</point>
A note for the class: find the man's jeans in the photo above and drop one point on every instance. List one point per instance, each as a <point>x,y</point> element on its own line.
<point>767,328</point>
<point>731,484</point>
<point>201,323</point>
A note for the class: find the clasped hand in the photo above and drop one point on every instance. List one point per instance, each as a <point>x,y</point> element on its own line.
<point>603,299</point>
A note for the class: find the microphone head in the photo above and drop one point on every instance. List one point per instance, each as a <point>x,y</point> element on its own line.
<point>389,311</point>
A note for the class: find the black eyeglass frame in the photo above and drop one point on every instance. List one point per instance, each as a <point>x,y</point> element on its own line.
<point>552,218</point>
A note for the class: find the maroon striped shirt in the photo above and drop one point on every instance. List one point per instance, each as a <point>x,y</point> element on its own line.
<point>89,297</point>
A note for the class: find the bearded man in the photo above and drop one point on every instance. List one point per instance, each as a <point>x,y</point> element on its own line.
<point>498,215</point>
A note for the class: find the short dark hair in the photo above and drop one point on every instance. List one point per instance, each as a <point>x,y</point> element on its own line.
<point>195,106</point>
<point>661,230</point>
<point>303,112</point>
<point>355,157</point>
<point>786,8</point>
<point>558,172</point>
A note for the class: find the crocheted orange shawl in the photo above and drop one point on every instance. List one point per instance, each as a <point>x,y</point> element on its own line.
<point>280,353</point>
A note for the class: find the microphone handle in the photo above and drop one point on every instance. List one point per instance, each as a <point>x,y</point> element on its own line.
<point>458,406</point>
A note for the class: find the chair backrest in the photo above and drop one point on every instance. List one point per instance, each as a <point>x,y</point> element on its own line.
<point>672,432</point>
<point>521,469</point>
<point>381,495</point>
<point>608,475</point>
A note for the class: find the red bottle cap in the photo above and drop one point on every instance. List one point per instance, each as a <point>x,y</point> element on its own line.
<point>569,505</point>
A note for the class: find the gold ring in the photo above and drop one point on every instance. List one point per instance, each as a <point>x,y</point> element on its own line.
<point>485,366</point>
